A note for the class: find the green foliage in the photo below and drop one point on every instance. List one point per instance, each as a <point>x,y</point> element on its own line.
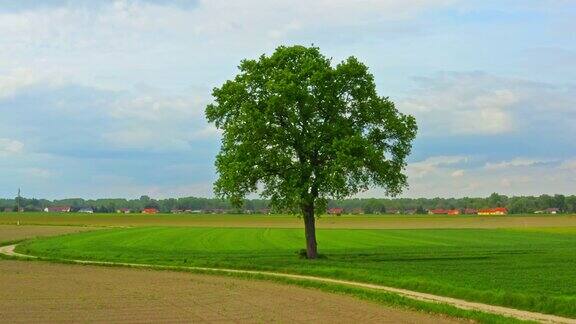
<point>305,131</point>
<point>111,205</point>
<point>530,269</point>
<point>515,204</point>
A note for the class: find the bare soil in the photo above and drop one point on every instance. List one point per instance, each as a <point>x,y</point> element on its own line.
<point>46,292</point>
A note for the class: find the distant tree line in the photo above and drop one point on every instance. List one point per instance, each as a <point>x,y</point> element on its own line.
<point>515,205</point>
<point>111,205</point>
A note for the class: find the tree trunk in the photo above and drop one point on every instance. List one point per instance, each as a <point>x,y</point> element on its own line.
<point>310,231</point>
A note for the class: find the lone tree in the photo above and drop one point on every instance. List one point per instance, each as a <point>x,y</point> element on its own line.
<point>302,131</point>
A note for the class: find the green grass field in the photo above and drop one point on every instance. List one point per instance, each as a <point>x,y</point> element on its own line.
<point>526,268</point>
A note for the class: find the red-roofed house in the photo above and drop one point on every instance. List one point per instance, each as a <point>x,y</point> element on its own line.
<point>335,211</point>
<point>57,209</point>
<point>444,212</point>
<point>150,211</point>
<point>493,211</point>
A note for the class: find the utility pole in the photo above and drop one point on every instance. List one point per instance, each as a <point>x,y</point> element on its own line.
<point>18,202</point>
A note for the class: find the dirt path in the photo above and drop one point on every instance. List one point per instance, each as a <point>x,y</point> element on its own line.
<point>50,292</point>
<point>520,314</point>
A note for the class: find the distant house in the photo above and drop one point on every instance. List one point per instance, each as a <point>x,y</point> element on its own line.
<point>86,210</point>
<point>186,211</point>
<point>211,211</point>
<point>335,211</point>
<point>150,211</point>
<point>410,211</point>
<point>493,211</point>
<point>440,211</point>
<point>392,211</point>
<point>548,211</point>
<point>357,211</point>
<point>58,209</point>
<point>470,211</point>
<point>123,210</point>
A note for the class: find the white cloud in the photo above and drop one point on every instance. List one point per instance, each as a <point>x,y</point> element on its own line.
<point>67,26</point>
<point>517,162</point>
<point>16,79</point>
<point>36,173</point>
<point>457,173</point>
<point>286,12</point>
<point>10,146</point>
<point>431,164</point>
<point>157,122</point>
<point>148,137</point>
<point>207,132</point>
<point>161,43</point>
<point>568,165</point>
<point>515,177</point>
<point>453,103</point>
<point>155,108</point>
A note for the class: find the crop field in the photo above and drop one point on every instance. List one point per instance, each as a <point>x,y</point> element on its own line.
<point>290,221</point>
<point>11,233</point>
<point>524,267</point>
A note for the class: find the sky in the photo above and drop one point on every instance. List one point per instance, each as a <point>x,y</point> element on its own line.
<point>106,98</point>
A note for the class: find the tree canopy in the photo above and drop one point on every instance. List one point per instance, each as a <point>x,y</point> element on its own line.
<point>302,131</point>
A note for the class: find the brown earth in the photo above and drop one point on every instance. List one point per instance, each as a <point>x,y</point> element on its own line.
<point>10,233</point>
<point>46,292</point>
